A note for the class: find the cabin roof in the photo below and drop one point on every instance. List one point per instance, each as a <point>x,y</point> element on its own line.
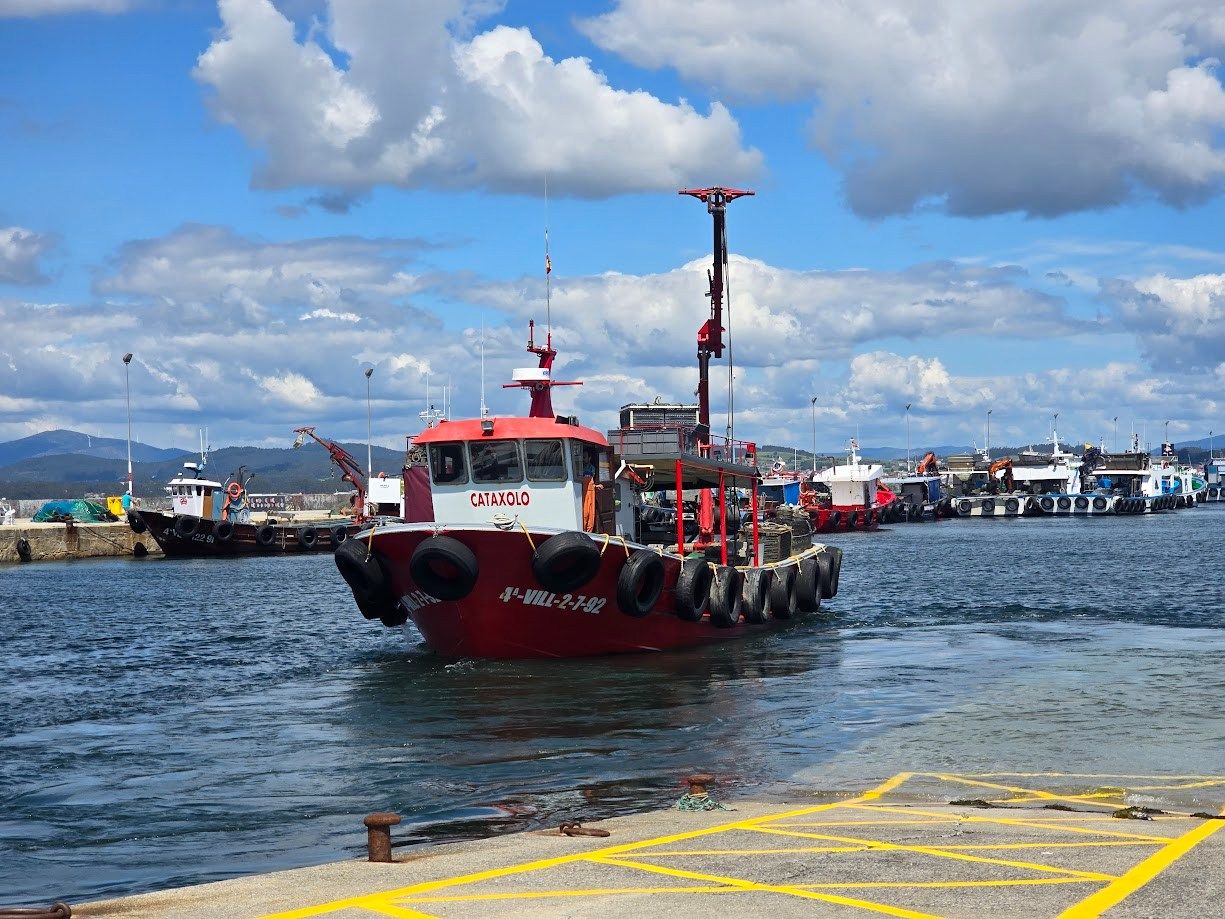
<point>696,471</point>
<point>508,429</point>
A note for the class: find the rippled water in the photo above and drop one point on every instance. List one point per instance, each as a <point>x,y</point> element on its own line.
<point>166,722</point>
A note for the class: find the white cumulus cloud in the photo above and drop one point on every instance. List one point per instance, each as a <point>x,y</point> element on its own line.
<point>417,104</point>
<point>1044,107</point>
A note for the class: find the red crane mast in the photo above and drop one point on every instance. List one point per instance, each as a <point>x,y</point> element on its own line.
<point>350,469</point>
<point>710,335</point>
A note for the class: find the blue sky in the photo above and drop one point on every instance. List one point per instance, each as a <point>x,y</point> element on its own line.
<point>954,209</point>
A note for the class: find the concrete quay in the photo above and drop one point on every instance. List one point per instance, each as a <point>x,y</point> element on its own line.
<point>60,541</point>
<point>916,845</point>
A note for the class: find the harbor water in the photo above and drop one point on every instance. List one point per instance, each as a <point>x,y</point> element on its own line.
<point>167,722</point>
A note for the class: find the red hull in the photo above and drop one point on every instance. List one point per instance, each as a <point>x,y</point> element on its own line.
<point>507,615</point>
<point>840,518</point>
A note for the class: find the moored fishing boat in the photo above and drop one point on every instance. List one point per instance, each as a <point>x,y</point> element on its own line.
<point>849,496</point>
<point>211,518</point>
<point>538,543</point>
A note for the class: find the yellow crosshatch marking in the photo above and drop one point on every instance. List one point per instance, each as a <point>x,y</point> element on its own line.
<point>843,831</point>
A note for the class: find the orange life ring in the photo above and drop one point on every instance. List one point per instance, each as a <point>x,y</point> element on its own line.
<point>233,490</point>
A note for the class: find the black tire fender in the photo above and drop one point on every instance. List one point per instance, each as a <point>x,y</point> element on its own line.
<point>24,552</point>
<point>459,569</point>
<point>1082,503</point>
<point>565,562</point>
<point>640,583</point>
<point>224,531</point>
<point>185,526</point>
<point>1099,503</point>
<point>339,534</point>
<point>1065,503</point>
<point>988,505</point>
<point>808,586</point>
<point>782,592</point>
<point>693,589</point>
<point>266,535</point>
<point>1012,505</point>
<point>755,595</point>
<point>825,576</point>
<point>308,537</point>
<point>835,519</point>
<point>138,526</point>
<point>1047,504</point>
<point>726,597</point>
<point>963,506</point>
<point>835,556</point>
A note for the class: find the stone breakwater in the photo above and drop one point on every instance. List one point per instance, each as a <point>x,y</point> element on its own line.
<point>59,541</point>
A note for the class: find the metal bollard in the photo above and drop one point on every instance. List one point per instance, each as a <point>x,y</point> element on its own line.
<point>378,835</point>
<point>699,782</point>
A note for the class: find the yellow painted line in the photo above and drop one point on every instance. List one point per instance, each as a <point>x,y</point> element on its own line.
<point>593,892</point>
<point>795,850</point>
<point>780,851</point>
<point>868,822</point>
<point>1030,794</point>
<point>1077,775</point>
<point>1132,880</point>
<point>1205,784</point>
<point>957,856</point>
<point>772,888</point>
<point>377,900</point>
<point>1019,882</point>
<point>1048,825</point>
<point>399,912</point>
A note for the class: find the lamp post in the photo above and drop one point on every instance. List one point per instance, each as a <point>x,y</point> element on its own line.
<point>989,435</point>
<point>1115,444</point>
<point>369,451</point>
<point>1055,433</point>
<point>908,468</point>
<point>127,398</point>
<point>814,433</point>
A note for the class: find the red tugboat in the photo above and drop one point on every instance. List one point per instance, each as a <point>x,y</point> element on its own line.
<point>210,518</point>
<point>540,540</point>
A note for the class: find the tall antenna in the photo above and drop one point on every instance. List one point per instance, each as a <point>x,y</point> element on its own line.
<point>548,264</point>
<point>484,407</point>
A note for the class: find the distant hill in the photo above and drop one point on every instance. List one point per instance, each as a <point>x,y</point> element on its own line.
<point>60,442</point>
<point>284,469</point>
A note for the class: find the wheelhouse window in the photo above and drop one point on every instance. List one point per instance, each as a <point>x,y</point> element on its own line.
<point>496,461</point>
<point>447,465</point>
<point>545,461</point>
<point>586,460</point>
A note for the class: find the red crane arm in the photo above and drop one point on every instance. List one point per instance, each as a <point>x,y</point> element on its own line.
<point>350,469</point>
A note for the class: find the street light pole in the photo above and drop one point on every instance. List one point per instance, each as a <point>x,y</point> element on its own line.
<point>908,468</point>
<point>813,401</point>
<point>369,451</point>
<point>1055,433</point>
<point>127,398</point>
<point>989,435</point>
<point>1115,445</point>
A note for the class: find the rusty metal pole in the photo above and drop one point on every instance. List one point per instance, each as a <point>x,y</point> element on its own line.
<point>378,835</point>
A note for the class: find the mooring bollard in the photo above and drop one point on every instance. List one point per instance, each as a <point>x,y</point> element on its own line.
<point>699,782</point>
<point>378,835</point>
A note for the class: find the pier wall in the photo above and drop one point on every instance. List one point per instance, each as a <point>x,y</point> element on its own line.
<point>58,541</point>
<point>28,507</point>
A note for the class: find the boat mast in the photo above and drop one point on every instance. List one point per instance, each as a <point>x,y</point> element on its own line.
<point>710,335</point>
